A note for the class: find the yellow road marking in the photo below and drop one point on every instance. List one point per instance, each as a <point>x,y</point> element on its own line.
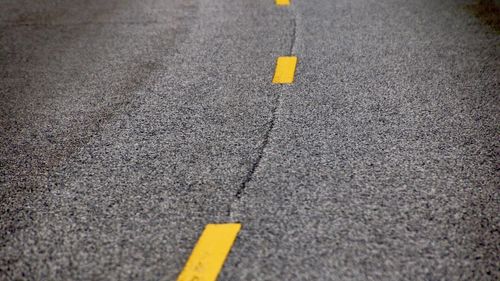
<point>285,70</point>
<point>210,252</point>
<point>282,2</point>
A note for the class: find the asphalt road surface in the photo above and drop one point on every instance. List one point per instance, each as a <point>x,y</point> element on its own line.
<point>127,126</point>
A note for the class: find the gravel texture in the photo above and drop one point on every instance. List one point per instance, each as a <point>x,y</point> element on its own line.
<point>126,126</point>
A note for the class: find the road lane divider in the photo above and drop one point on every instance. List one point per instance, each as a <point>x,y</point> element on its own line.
<point>282,2</point>
<point>210,252</point>
<point>285,70</point>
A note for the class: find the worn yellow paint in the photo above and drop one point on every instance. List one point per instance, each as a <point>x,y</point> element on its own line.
<point>210,252</point>
<point>282,2</point>
<point>285,70</point>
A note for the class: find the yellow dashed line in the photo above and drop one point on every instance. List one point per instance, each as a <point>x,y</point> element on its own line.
<point>285,70</point>
<point>210,252</point>
<point>282,2</point>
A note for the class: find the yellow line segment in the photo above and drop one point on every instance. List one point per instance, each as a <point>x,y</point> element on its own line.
<point>285,70</point>
<point>282,2</point>
<point>210,252</point>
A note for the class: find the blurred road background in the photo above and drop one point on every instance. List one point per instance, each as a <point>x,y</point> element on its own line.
<point>127,126</point>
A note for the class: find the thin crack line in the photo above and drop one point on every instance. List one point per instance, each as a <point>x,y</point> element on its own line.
<point>294,29</point>
<point>271,123</point>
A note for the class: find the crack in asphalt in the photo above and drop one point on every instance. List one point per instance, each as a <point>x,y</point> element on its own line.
<point>294,29</point>
<point>261,148</point>
<point>270,126</point>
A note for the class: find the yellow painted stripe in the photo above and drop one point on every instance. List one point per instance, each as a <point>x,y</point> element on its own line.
<point>282,2</point>
<point>210,251</point>
<point>285,70</point>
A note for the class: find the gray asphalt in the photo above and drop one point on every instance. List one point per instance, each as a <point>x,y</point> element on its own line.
<point>127,126</point>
